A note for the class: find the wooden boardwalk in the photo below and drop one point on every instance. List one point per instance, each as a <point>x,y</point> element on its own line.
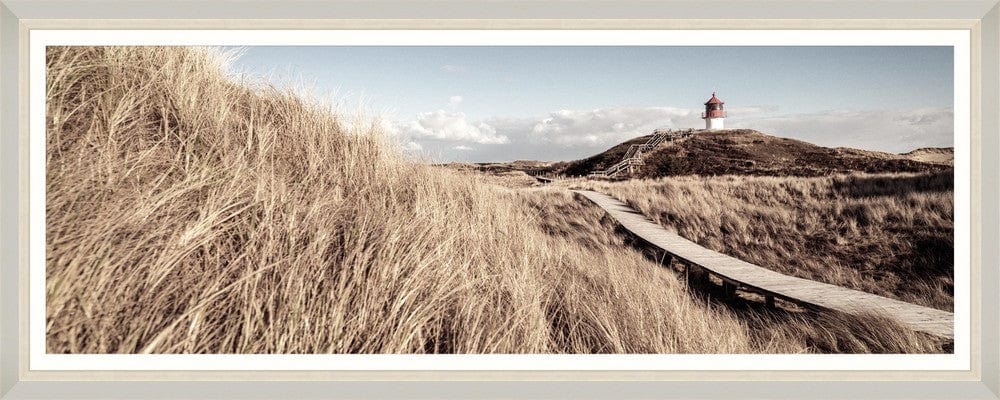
<point>543,179</point>
<point>738,274</point>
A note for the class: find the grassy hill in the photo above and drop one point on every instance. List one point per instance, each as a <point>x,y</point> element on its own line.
<point>748,152</point>
<point>598,161</point>
<point>932,155</point>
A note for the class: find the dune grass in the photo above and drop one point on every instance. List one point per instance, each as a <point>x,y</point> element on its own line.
<point>782,329</point>
<point>187,213</point>
<point>887,234</point>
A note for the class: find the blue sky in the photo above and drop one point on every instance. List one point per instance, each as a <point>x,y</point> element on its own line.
<point>500,103</point>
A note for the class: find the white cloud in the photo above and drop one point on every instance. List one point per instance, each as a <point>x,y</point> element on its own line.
<point>453,68</point>
<point>454,101</point>
<point>607,126</point>
<point>385,125</point>
<point>462,148</point>
<point>897,131</point>
<point>751,110</point>
<point>451,126</point>
<point>412,146</point>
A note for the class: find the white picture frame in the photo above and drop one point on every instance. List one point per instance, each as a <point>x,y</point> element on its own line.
<point>19,18</point>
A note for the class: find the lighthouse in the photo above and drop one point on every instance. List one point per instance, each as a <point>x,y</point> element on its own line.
<point>714,114</point>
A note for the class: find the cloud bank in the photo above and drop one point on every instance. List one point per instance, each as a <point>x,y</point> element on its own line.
<point>893,130</point>
<point>601,127</point>
<point>450,126</point>
<point>448,135</point>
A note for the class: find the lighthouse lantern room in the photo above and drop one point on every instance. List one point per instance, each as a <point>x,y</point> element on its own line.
<point>714,114</point>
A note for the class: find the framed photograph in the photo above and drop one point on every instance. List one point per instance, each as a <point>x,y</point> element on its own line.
<point>506,199</point>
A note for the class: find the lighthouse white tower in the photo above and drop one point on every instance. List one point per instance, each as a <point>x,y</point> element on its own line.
<point>714,114</point>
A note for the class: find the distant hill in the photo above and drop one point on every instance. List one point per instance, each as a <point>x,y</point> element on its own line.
<point>748,152</point>
<point>933,155</point>
<point>501,167</point>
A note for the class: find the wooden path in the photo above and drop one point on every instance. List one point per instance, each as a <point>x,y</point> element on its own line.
<point>738,274</point>
<point>542,179</point>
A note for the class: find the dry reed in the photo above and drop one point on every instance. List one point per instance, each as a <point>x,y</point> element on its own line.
<point>187,213</point>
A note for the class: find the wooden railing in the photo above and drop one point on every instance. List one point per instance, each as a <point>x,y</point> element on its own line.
<point>633,156</point>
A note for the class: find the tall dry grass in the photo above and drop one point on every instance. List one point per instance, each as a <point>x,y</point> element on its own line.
<point>779,329</point>
<point>887,234</point>
<point>189,214</point>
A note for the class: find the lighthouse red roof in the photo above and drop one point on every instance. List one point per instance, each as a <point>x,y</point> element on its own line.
<point>714,100</point>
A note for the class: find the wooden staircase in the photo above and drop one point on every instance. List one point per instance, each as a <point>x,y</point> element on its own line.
<point>633,156</point>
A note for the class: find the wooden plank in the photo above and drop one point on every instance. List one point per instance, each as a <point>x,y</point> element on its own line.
<point>772,283</point>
